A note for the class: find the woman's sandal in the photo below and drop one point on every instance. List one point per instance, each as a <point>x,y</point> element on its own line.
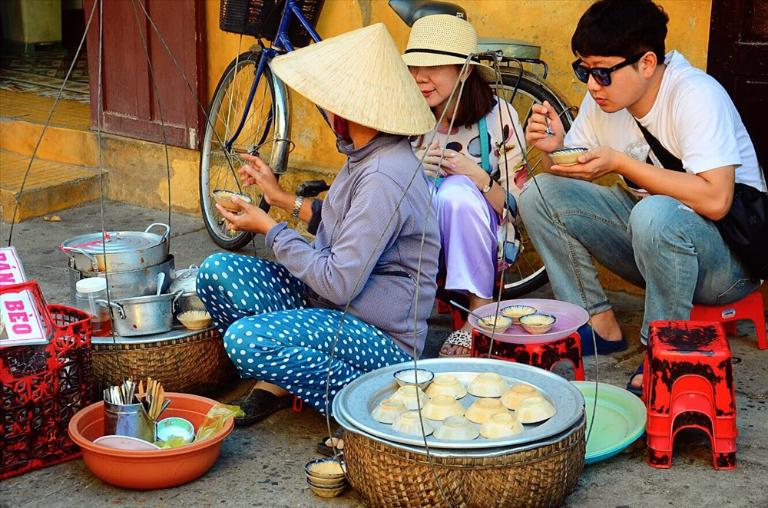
<point>637,390</point>
<point>325,447</point>
<point>259,404</point>
<point>461,338</point>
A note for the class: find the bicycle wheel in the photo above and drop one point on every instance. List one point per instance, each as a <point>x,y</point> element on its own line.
<point>263,130</point>
<point>522,91</point>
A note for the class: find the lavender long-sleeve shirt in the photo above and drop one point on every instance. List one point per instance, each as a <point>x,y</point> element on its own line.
<point>369,242</point>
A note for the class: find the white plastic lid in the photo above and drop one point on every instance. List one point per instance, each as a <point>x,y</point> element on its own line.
<point>91,285</point>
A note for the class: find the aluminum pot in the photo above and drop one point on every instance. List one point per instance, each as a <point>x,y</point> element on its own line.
<point>131,283</point>
<point>143,315</point>
<point>186,282</point>
<point>121,251</point>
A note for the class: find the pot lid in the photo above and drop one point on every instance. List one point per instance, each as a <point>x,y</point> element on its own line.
<point>115,241</point>
<point>185,280</point>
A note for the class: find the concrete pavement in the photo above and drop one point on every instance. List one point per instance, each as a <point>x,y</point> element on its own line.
<point>263,465</point>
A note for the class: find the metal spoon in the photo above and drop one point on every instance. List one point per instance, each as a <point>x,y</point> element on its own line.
<point>461,307</point>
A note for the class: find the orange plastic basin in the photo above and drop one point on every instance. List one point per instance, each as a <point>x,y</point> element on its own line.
<point>151,469</point>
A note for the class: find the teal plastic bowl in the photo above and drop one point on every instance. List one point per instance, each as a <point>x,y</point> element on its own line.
<point>619,422</point>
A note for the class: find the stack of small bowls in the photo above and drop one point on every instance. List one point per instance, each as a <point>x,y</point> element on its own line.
<point>326,477</point>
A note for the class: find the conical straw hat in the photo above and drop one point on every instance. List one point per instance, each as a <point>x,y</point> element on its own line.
<point>360,76</point>
<point>444,39</point>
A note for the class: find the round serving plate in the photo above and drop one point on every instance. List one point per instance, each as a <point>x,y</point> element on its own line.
<point>355,401</point>
<point>569,318</point>
<point>619,419</point>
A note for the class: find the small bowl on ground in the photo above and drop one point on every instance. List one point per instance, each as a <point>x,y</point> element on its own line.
<point>536,324</point>
<point>151,469</point>
<point>195,319</point>
<point>326,472</point>
<point>567,156</point>
<point>327,491</point>
<point>224,198</point>
<point>420,377</point>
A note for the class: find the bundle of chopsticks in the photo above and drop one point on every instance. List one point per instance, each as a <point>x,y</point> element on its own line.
<point>153,399</point>
<point>122,394</point>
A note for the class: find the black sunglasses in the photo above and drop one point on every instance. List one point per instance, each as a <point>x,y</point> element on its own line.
<point>601,74</point>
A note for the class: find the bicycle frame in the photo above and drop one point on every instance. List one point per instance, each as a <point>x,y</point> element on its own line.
<point>281,44</point>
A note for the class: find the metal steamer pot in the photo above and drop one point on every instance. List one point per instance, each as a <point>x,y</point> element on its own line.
<point>139,282</point>
<point>118,251</point>
<point>143,315</point>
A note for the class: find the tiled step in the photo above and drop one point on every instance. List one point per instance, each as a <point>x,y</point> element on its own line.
<point>50,186</point>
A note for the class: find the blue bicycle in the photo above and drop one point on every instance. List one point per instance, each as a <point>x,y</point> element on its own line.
<point>250,111</point>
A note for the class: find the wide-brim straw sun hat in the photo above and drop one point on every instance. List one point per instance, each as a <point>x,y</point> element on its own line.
<point>444,39</point>
<point>360,76</point>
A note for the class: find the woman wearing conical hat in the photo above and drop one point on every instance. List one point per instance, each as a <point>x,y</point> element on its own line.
<point>284,322</point>
<point>475,166</point>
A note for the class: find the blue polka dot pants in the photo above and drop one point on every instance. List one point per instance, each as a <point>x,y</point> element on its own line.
<point>271,334</point>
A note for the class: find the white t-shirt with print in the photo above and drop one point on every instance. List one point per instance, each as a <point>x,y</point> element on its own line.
<point>693,118</point>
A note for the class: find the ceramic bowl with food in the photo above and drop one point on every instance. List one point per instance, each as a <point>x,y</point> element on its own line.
<point>388,410</point>
<point>536,324</point>
<point>441,407</point>
<point>224,198</point>
<point>500,425</point>
<point>535,410</point>
<point>411,396</point>
<point>511,398</point>
<point>446,384</point>
<point>420,377</point>
<point>567,156</point>
<point>409,423</point>
<point>488,384</point>
<point>326,472</point>
<point>195,319</point>
<point>482,409</point>
<point>497,323</point>
<point>515,312</point>
<point>456,428</point>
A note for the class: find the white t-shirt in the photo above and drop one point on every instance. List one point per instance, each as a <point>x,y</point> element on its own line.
<point>693,118</point>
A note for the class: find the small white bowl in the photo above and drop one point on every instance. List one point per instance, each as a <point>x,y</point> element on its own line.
<point>496,323</point>
<point>482,410</point>
<point>410,423</point>
<point>456,428</point>
<point>500,425</point>
<point>488,384</point>
<point>515,312</point>
<point>174,426</point>
<point>420,377</point>
<point>567,156</point>
<point>442,407</point>
<point>124,443</point>
<point>224,198</point>
<point>446,384</point>
<point>535,410</point>
<point>511,398</point>
<point>408,396</point>
<point>536,324</point>
<point>388,410</point>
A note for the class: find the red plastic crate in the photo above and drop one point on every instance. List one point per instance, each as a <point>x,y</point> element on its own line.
<point>42,387</point>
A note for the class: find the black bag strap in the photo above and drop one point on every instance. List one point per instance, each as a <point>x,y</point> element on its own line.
<point>667,160</point>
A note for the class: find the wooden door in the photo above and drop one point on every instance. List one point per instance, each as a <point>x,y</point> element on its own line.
<point>141,87</point>
<point>738,59</point>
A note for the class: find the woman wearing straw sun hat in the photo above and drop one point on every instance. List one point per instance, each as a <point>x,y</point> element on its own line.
<point>285,323</point>
<point>471,156</point>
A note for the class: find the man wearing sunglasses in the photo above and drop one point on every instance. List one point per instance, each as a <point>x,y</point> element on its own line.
<point>655,230</point>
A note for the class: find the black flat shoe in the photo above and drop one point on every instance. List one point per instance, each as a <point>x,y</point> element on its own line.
<point>259,404</point>
<point>637,390</point>
<point>604,347</point>
<point>323,448</point>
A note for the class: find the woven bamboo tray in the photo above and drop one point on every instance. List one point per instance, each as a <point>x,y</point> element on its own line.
<point>388,476</point>
<point>192,362</point>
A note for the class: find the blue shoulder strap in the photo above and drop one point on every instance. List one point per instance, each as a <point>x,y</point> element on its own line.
<point>484,146</point>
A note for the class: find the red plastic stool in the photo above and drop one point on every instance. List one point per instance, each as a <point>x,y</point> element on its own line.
<point>750,307</point>
<point>688,383</point>
<point>544,356</point>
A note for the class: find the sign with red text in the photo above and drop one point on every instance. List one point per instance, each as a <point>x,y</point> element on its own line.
<point>11,271</point>
<point>21,320</point>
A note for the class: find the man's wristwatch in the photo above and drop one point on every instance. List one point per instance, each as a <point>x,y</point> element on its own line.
<point>297,206</point>
<point>487,188</point>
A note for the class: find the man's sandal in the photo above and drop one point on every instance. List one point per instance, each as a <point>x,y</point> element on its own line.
<point>637,390</point>
<point>461,338</point>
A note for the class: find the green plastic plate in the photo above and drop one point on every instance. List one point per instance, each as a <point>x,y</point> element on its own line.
<point>620,419</point>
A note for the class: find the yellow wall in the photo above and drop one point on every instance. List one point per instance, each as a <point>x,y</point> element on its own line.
<point>549,23</point>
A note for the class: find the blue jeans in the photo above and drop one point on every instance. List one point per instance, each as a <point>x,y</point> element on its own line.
<point>271,334</point>
<point>655,242</point>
